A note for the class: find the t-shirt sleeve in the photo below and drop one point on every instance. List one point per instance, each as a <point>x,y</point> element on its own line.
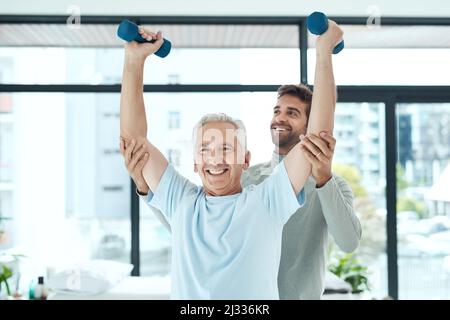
<point>173,190</point>
<point>158,214</point>
<point>278,195</point>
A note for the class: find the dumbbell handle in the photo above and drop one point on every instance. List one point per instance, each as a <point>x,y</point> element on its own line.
<point>129,31</point>
<point>317,23</point>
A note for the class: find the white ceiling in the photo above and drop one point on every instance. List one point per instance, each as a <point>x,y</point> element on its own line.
<point>361,8</point>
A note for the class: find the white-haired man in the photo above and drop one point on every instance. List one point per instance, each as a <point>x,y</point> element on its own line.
<point>226,240</point>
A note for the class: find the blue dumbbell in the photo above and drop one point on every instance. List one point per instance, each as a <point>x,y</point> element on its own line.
<point>317,23</point>
<point>129,31</point>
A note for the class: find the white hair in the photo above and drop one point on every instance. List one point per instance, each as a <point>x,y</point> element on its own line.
<point>222,117</point>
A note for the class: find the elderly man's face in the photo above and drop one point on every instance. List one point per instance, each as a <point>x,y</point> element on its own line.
<point>220,158</point>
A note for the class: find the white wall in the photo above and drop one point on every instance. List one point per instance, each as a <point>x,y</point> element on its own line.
<point>398,8</point>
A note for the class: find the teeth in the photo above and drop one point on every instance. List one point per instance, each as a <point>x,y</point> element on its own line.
<point>216,172</point>
<point>280,129</point>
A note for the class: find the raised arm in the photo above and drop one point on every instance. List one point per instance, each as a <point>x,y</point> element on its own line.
<point>323,103</point>
<point>133,123</point>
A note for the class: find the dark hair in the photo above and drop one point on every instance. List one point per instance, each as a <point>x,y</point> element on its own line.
<point>301,91</point>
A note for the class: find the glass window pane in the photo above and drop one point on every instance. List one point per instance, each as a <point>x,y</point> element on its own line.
<point>390,55</point>
<point>182,66</point>
<point>226,54</point>
<point>423,200</point>
<point>6,169</point>
<point>360,159</point>
<point>69,188</point>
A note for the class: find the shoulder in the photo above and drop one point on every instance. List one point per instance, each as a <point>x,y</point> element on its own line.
<point>256,174</point>
<point>257,168</point>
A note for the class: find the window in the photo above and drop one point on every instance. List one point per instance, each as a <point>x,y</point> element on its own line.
<point>355,158</point>
<point>64,185</point>
<point>423,200</point>
<point>174,120</point>
<point>7,169</point>
<point>390,55</point>
<point>219,54</point>
<point>79,182</point>
<point>173,156</point>
<point>84,188</point>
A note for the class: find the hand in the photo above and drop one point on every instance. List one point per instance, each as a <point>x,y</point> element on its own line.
<point>319,152</point>
<point>330,38</point>
<point>135,159</point>
<point>140,51</point>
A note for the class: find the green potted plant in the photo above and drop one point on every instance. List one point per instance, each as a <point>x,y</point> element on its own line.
<point>8,263</point>
<point>350,269</point>
<point>9,271</point>
<point>5,274</point>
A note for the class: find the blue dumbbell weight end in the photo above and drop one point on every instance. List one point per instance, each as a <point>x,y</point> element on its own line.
<point>317,23</point>
<point>129,31</point>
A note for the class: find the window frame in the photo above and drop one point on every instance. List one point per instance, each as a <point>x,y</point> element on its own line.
<point>389,95</point>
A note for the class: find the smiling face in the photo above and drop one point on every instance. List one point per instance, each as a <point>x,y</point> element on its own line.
<point>289,120</point>
<point>220,158</point>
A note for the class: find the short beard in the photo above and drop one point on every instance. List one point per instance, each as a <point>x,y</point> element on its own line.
<point>291,140</point>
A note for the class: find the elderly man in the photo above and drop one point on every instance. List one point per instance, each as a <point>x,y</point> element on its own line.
<point>226,239</point>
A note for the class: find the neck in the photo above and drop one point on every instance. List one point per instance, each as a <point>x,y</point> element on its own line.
<point>283,150</point>
<point>235,190</point>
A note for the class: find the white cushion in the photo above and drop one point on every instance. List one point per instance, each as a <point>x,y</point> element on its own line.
<point>92,277</point>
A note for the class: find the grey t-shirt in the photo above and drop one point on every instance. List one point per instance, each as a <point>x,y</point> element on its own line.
<point>302,267</point>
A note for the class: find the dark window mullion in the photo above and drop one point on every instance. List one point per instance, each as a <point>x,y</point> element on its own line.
<point>303,43</point>
<point>135,225</point>
<point>391,196</point>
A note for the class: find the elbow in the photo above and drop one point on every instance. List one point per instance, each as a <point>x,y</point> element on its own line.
<point>349,247</point>
<point>127,137</point>
<point>129,132</point>
<point>350,244</point>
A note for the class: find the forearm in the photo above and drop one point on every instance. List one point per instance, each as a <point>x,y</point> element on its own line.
<point>321,118</point>
<point>324,98</point>
<point>133,123</point>
<point>336,200</point>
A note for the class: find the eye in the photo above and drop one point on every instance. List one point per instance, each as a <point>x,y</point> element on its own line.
<point>227,148</point>
<point>276,112</point>
<point>203,150</point>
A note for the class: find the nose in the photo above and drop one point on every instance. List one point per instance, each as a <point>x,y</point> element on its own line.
<point>214,157</point>
<point>281,117</point>
<point>218,156</point>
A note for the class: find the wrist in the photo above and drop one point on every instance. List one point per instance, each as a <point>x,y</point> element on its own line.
<point>320,182</point>
<point>323,48</point>
<point>324,54</point>
<point>134,61</point>
<point>143,191</point>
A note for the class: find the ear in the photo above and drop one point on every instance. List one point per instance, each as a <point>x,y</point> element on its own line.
<point>195,168</point>
<point>248,156</point>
